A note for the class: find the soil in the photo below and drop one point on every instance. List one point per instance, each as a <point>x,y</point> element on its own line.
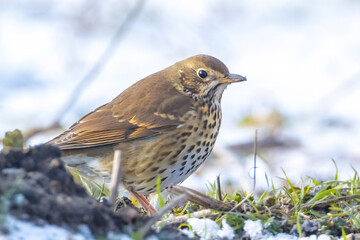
<point>35,186</point>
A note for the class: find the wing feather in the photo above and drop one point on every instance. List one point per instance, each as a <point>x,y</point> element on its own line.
<point>121,120</point>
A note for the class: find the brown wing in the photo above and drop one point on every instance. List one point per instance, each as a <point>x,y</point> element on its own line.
<point>149,107</point>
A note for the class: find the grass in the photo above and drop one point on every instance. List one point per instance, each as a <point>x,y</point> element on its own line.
<point>309,207</point>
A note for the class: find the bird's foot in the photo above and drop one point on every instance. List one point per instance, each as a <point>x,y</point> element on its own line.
<point>144,202</point>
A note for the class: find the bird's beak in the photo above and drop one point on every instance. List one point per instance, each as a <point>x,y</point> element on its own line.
<point>232,78</point>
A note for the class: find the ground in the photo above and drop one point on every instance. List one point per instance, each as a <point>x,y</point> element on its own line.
<point>35,186</point>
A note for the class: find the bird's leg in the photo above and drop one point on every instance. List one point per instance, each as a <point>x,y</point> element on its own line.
<point>144,202</point>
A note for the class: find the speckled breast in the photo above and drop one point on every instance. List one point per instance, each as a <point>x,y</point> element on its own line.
<point>172,156</point>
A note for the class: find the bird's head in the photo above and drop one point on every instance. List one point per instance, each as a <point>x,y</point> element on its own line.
<point>203,77</point>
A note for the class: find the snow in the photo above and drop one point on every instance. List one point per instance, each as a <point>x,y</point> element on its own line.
<point>208,229</point>
<point>254,230</point>
<point>19,230</point>
<point>26,230</point>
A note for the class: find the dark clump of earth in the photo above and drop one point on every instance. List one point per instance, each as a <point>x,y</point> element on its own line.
<point>37,186</point>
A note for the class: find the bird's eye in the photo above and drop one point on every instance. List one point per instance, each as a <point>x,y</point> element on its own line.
<point>202,73</point>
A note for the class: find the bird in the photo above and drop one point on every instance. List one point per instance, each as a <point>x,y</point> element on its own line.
<point>164,125</point>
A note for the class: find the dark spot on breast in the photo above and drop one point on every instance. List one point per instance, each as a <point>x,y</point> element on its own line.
<point>205,123</point>
<point>162,170</point>
<point>178,152</point>
<point>149,190</point>
<point>140,182</point>
<point>197,144</point>
<point>187,171</point>
<point>206,135</point>
<point>159,160</point>
<point>183,163</point>
<point>140,189</point>
<point>166,145</point>
<point>185,157</point>
<point>212,135</point>
<point>173,171</point>
<point>214,124</point>
<point>200,115</point>
<point>192,156</point>
<point>184,134</point>
<point>198,150</point>
<point>150,179</point>
<point>191,148</point>
<point>206,149</point>
<point>183,140</point>
<point>163,179</point>
<point>172,162</point>
<point>130,182</point>
<point>201,133</point>
<point>181,169</point>
<point>165,154</point>
<point>207,144</point>
<point>193,163</point>
<point>199,157</point>
<point>190,127</point>
<point>154,169</point>
<point>195,129</point>
<point>142,170</point>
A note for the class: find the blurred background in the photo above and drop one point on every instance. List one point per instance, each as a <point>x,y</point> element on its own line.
<point>301,58</point>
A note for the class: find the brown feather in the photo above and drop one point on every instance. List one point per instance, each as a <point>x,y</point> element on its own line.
<point>138,112</point>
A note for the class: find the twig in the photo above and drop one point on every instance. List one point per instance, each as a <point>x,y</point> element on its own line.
<point>207,213</point>
<point>255,153</point>
<point>93,72</point>
<point>200,198</point>
<point>326,202</point>
<point>102,61</point>
<point>115,176</point>
<point>179,199</point>
<point>219,188</point>
<point>34,131</point>
<point>234,208</point>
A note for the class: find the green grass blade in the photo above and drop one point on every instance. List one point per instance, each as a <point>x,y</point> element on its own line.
<point>158,191</point>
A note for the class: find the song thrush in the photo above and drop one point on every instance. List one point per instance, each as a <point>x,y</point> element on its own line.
<point>165,125</point>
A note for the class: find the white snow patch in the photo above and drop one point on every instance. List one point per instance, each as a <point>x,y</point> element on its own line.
<point>26,230</point>
<point>208,229</point>
<point>19,230</point>
<point>255,230</point>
